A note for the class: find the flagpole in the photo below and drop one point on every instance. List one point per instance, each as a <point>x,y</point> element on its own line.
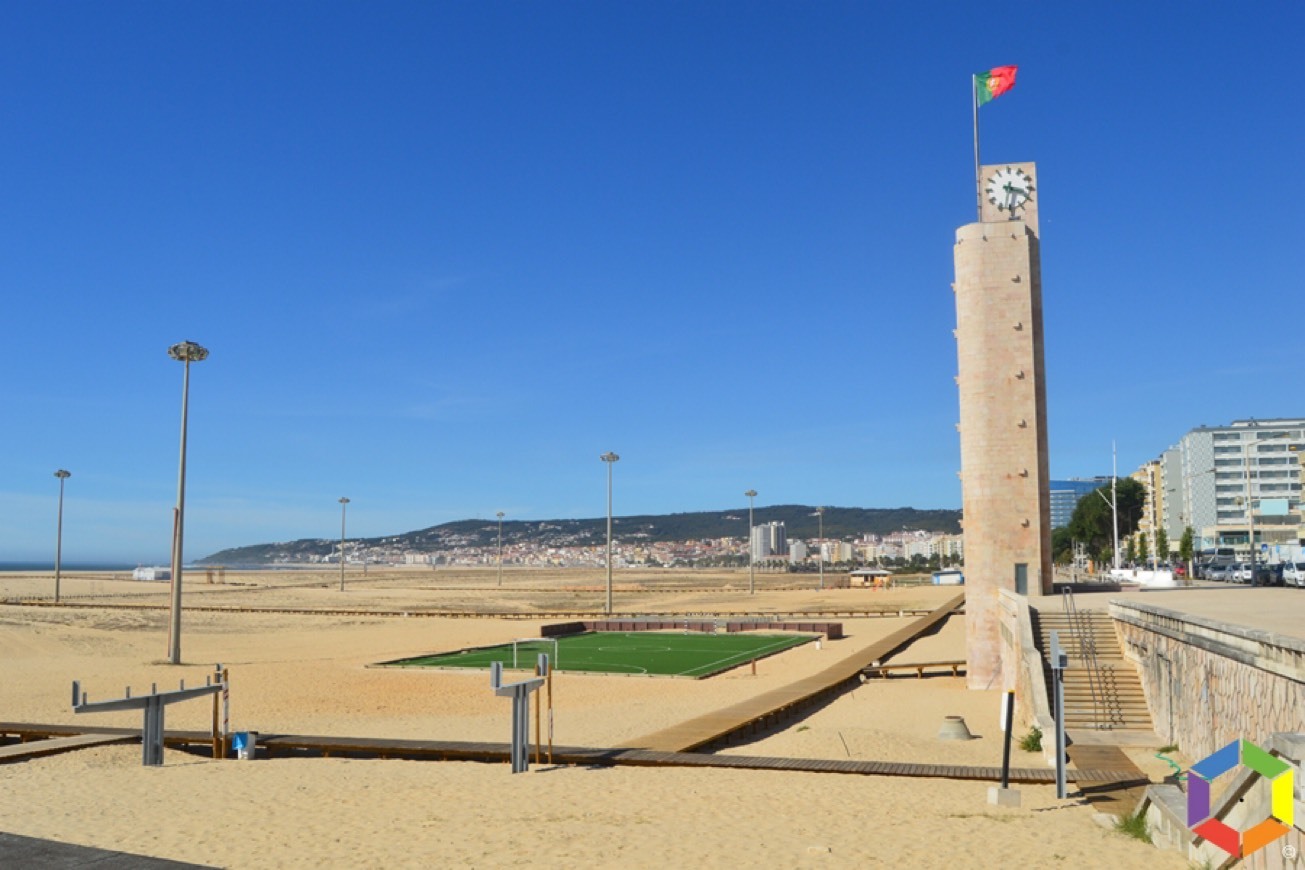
<point>978,181</point>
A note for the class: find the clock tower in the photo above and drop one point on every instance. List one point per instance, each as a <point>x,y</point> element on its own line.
<point>1006,499</point>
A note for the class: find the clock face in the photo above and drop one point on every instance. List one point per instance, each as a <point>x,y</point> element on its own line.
<point>1009,188</point>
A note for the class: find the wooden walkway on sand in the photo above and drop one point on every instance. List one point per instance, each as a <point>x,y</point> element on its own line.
<point>759,712</point>
<point>52,745</point>
<point>1121,783</point>
<point>297,745</point>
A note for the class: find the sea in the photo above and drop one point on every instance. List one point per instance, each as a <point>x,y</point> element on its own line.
<point>31,567</point>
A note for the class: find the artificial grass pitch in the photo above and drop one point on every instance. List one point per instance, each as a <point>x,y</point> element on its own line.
<point>655,653</point>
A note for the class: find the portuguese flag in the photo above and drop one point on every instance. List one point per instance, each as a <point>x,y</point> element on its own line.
<point>993,83</point>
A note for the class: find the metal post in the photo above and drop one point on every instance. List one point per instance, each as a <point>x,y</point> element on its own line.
<point>1059,661</point>
<point>610,458</point>
<point>58,541</point>
<point>186,352</point>
<point>1250,512</point>
<point>1010,726</point>
<point>500,548</point>
<point>820,512</point>
<point>1114,502</point>
<point>343,503</point>
<point>752,580</point>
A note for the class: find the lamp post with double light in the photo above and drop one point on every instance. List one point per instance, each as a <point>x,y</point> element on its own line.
<point>820,548</point>
<point>343,507</point>
<point>752,580</point>
<point>610,459</point>
<point>500,548</point>
<point>185,352</point>
<point>58,540</point>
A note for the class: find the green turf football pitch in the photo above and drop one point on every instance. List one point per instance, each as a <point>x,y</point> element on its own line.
<point>692,654</point>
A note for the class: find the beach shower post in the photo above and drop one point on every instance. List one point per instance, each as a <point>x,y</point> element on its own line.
<point>520,694</point>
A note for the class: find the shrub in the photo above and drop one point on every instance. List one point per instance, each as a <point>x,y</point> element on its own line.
<point>1032,742</point>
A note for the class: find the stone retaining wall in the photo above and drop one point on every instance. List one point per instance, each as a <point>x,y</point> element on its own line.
<point>1209,682</point>
<point>1022,664</point>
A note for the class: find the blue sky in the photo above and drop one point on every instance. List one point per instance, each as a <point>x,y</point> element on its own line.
<point>445,254</point>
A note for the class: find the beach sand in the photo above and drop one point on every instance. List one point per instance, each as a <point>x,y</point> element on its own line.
<point>308,673</point>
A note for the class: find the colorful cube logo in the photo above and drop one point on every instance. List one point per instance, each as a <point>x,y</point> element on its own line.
<point>1281,777</point>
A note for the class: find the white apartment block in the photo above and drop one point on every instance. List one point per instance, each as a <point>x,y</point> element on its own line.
<point>1221,480</point>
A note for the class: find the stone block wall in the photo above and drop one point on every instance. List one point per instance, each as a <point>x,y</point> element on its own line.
<point>1022,665</point>
<point>1208,682</point>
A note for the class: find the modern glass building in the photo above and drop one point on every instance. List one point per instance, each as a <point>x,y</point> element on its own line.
<point>1065,495</point>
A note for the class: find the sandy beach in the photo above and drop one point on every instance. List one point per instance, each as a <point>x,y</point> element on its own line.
<point>307,672</point>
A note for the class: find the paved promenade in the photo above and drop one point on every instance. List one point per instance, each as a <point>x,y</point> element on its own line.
<point>1279,609</point>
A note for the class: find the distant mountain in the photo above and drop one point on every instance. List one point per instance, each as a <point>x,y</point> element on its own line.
<point>799,521</point>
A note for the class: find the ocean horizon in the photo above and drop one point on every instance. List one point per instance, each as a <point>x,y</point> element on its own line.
<point>78,566</point>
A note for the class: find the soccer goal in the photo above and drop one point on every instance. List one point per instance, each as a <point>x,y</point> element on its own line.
<point>525,651</point>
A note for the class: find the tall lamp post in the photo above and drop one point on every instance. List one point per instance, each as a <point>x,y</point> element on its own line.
<point>186,352</point>
<point>820,548</point>
<point>610,458</point>
<point>500,548</point>
<point>58,541</point>
<point>343,507</point>
<point>752,582</point>
<point>1250,505</point>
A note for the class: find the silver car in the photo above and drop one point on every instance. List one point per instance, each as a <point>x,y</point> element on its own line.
<point>1293,574</point>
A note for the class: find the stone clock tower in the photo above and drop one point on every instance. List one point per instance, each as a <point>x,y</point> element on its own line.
<point>1003,401</point>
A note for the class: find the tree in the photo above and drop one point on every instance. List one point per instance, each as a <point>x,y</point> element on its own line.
<point>1130,551</point>
<point>1186,546</point>
<point>1062,546</point>
<point>1143,551</point>
<point>1162,545</point>
<point>1092,521</point>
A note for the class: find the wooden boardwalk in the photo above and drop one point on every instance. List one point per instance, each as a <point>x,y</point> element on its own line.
<point>759,712</point>
<point>1121,783</point>
<point>66,743</point>
<point>295,745</point>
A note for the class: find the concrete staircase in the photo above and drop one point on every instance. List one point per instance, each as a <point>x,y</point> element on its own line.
<point>1118,702</point>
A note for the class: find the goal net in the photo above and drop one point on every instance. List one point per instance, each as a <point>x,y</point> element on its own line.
<point>525,652</point>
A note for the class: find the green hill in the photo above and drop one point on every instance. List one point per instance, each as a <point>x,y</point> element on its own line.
<point>799,521</point>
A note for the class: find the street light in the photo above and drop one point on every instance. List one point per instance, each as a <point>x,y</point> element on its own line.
<point>752,581</point>
<point>185,352</point>
<point>820,512</point>
<point>500,548</point>
<point>1250,505</point>
<point>343,508</point>
<point>610,458</point>
<point>58,541</point>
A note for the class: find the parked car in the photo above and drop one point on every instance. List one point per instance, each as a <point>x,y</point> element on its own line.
<point>1240,573</point>
<point>1293,574</point>
<point>1217,572</point>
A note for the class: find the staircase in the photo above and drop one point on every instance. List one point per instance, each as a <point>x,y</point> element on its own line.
<point>1110,698</point>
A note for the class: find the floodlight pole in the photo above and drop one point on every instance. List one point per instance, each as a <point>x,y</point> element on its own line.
<point>752,580</point>
<point>58,541</point>
<point>185,352</point>
<point>343,507</point>
<point>820,512</point>
<point>500,548</point>
<point>610,458</point>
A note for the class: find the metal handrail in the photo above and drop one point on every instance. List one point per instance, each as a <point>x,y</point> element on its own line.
<point>1081,628</point>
